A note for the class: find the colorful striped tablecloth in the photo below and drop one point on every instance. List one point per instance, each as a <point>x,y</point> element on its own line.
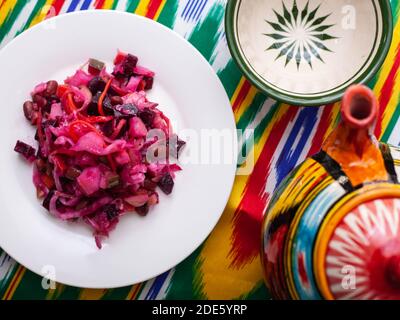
<point>227,265</point>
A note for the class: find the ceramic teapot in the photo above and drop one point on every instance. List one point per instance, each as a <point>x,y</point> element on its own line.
<point>332,229</point>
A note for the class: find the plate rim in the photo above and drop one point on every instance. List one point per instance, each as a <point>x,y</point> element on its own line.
<point>233,168</point>
<point>363,78</point>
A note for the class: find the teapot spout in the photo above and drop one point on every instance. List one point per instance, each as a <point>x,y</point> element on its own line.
<point>352,144</point>
<point>359,108</point>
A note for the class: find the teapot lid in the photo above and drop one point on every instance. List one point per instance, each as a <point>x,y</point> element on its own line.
<point>357,250</point>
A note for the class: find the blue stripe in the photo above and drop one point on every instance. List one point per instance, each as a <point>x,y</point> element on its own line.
<point>73,5</point>
<point>194,9</point>
<point>198,12</point>
<point>288,158</point>
<point>86,4</point>
<point>305,237</point>
<point>156,287</point>
<point>186,7</point>
<point>189,9</point>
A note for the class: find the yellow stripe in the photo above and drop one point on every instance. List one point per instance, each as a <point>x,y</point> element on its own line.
<point>15,281</point>
<point>387,66</point>
<point>160,9</point>
<point>394,99</point>
<point>42,13</point>
<point>215,266</point>
<point>108,4</point>
<point>238,88</point>
<point>391,107</point>
<point>245,103</point>
<point>6,9</point>
<point>133,293</point>
<point>54,294</point>
<point>92,294</point>
<point>142,7</point>
<point>332,123</point>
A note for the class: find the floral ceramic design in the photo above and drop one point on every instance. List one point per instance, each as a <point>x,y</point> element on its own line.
<point>300,34</point>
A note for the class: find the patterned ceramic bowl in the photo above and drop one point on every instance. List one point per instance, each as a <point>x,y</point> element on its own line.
<point>307,52</point>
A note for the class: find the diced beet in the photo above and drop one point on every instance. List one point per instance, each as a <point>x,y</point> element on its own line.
<point>133,60</point>
<point>166,183</point>
<point>93,107</point>
<point>25,150</point>
<point>128,109</point>
<point>143,210</point>
<point>108,128</point>
<point>116,100</point>
<point>149,185</point>
<point>107,106</point>
<point>149,83</point>
<point>147,116</point>
<point>46,201</point>
<point>111,211</point>
<point>95,66</point>
<point>96,84</point>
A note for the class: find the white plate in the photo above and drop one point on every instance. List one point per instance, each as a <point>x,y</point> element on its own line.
<point>189,93</point>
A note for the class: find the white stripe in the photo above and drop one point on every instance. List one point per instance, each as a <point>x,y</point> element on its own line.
<point>7,265</point>
<point>272,180</point>
<point>146,289</point>
<point>19,22</point>
<point>162,294</point>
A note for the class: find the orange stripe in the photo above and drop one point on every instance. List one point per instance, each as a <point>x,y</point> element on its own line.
<point>134,292</point>
<point>14,283</point>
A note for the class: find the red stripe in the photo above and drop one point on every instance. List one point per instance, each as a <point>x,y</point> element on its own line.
<point>387,91</point>
<point>321,130</point>
<point>55,8</point>
<point>244,90</point>
<point>12,285</point>
<point>135,292</point>
<point>99,4</point>
<point>2,3</point>
<point>152,8</point>
<point>248,215</point>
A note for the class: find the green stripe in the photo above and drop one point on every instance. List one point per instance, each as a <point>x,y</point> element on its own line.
<point>248,145</point>
<point>168,14</point>
<point>182,282</point>
<point>10,19</point>
<point>230,77</point>
<point>38,7</point>
<point>132,5</point>
<point>116,294</point>
<point>30,288</point>
<point>251,111</point>
<point>114,5</point>
<point>205,36</point>
<point>260,292</point>
<point>69,293</point>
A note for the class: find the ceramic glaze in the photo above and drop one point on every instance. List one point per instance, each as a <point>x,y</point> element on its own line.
<point>332,229</point>
<point>297,51</point>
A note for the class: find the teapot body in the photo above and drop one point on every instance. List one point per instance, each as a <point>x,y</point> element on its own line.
<point>332,228</point>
